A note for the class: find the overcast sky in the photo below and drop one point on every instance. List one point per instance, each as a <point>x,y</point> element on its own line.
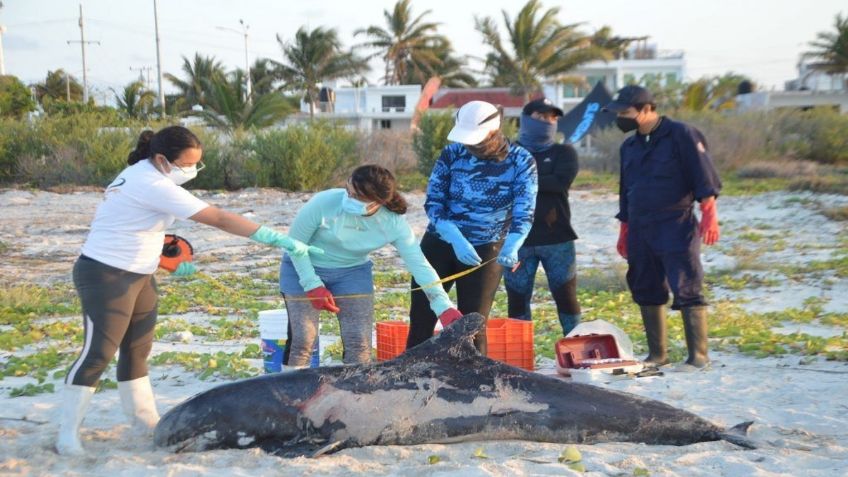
<point>759,38</point>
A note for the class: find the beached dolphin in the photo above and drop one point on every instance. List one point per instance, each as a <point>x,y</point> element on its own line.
<point>438,392</point>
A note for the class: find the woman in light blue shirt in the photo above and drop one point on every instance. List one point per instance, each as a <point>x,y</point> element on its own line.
<point>348,224</point>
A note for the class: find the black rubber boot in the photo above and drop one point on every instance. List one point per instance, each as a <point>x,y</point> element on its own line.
<point>653,317</point>
<point>695,326</point>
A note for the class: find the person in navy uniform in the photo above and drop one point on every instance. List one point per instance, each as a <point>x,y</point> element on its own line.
<point>665,168</point>
<point>551,239</point>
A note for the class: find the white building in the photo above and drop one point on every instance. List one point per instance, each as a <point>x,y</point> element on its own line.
<point>811,89</point>
<point>810,79</point>
<point>369,107</point>
<point>641,65</point>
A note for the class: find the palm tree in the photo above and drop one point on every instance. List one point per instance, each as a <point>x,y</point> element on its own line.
<point>227,107</point>
<point>831,50</point>
<point>263,75</point>
<point>449,68</point>
<point>197,73</point>
<point>405,44</point>
<point>316,56</point>
<point>717,93</point>
<point>539,47</point>
<point>616,45</point>
<point>58,86</point>
<point>135,101</point>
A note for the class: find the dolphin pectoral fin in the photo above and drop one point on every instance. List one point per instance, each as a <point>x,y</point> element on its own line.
<point>455,341</point>
<point>304,448</point>
<point>332,447</point>
<point>738,435</point>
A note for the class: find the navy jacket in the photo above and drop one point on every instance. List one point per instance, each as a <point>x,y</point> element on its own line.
<point>662,174</point>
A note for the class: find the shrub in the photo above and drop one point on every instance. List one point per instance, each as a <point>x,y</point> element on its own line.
<point>734,140</point>
<point>15,98</point>
<point>302,157</point>
<point>75,149</point>
<point>820,135</point>
<point>431,137</point>
<point>605,157</point>
<point>391,149</point>
<point>227,158</point>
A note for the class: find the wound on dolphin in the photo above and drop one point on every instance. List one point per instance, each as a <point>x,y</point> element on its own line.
<point>441,391</point>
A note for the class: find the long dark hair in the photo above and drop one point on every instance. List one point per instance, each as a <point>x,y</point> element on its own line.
<point>377,183</point>
<point>170,142</point>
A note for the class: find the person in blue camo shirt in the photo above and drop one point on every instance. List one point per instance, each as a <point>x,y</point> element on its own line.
<point>480,201</point>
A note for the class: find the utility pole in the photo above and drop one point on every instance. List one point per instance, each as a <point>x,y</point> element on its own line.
<point>82,43</point>
<point>244,28</point>
<point>67,87</point>
<point>141,74</point>
<point>158,57</point>
<point>2,61</point>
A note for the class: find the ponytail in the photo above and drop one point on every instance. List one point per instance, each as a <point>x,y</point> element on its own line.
<point>142,147</point>
<point>397,204</point>
<point>377,183</point>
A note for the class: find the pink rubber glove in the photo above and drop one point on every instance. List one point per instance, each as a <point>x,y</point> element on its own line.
<point>708,228</point>
<point>322,299</point>
<point>621,246</point>
<point>449,316</point>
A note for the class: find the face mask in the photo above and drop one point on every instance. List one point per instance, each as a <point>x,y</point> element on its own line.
<point>535,135</point>
<point>354,206</point>
<point>181,176</point>
<point>626,124</point>
<point>494,148</point>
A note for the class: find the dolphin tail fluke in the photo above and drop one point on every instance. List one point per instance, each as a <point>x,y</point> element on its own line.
<point>738,435</point>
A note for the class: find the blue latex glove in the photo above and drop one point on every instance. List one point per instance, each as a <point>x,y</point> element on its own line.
<point>509,252</point>
<point>185,269</point>
<point>463,249</point>
<point>295,248</point>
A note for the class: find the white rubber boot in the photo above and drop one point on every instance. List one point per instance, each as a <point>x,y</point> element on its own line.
<point>72,409</point>
<point>138,404</point>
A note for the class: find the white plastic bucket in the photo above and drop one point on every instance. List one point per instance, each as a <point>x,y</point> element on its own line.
<point>272,333</point>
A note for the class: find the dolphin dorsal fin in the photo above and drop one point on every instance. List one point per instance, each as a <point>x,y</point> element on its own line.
<point>455,342</point>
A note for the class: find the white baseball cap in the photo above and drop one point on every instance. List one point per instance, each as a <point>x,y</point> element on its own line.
<point>474,121</point>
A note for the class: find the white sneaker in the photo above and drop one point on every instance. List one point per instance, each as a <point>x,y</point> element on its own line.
<point>138,404</point>
<point>74,403</point>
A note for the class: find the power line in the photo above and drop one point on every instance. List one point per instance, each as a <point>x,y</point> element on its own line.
<point>141,71</point>
<point>82,41</point>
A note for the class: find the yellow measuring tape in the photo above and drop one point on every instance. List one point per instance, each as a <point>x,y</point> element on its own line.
<point>429,285</point>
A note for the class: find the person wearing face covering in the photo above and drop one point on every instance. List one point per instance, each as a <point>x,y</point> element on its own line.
<point>114,274</point>
<point>551,240</point>
<point>665,168</point>
<point>349,224</point>
<point>480,201</point>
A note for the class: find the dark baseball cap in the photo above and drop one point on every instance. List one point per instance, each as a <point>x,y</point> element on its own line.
<point>627,96</point>
<point>543,105</point>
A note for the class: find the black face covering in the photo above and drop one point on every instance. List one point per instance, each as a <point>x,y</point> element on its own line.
<point>626,124</point>
<point>494,148</point>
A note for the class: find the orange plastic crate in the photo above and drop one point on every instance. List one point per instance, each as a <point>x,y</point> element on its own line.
<point>509,341</point>
<point>391,339</point>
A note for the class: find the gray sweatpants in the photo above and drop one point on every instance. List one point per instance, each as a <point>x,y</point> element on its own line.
<point>356,319</point>
<point>119,312</point>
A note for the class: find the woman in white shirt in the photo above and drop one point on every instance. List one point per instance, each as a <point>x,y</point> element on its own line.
<point>114,274</point>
